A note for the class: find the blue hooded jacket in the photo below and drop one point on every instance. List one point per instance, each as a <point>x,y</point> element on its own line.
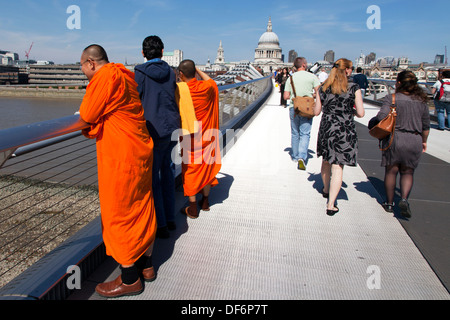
<point>156,86</point>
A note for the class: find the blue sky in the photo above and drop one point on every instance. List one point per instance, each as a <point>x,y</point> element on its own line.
<point>408,28</point>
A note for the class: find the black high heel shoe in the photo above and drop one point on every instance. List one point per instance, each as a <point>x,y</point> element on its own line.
<point>332,212</point>
<point>325,195</point>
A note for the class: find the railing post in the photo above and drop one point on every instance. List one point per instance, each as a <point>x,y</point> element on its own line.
<point>221,106</point>
<point>374,90</point>
<point>243,98</point>
<point>248,93</point>
<point>235,96</point>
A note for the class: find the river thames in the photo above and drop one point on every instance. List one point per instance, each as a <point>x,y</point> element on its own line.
<point>16,112</point>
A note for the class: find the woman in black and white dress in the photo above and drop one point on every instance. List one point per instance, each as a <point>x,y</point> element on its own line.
<point>339,101</point>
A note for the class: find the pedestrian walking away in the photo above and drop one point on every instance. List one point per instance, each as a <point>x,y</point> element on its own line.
<point>306,84</point>
<point>361,79</point>
<point>337,143</point>
<point>410,139</point>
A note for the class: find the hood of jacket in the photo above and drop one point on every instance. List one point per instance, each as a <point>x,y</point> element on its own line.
<point>157,70</point>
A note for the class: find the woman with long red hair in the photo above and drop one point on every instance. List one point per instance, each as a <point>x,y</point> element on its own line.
<point>339,101</point>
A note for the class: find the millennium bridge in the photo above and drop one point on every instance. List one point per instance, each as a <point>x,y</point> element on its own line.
<point>267,236</point>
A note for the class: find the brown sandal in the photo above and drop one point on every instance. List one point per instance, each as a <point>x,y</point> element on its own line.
<point>204,204</point>
<point>191,211</point>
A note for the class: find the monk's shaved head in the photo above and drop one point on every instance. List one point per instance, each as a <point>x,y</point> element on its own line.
<point>96,53</point>
<point>93,59</point>
<point>188,68</point>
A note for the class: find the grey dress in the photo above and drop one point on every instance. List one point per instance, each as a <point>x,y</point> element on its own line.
<point>337,141</point>
<point>413,117</point>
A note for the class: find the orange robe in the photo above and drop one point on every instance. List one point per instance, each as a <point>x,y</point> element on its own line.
<point>124,159</point>
<point>204,159</point>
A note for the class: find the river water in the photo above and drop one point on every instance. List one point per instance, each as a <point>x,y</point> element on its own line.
<point>37,217</point>
<point>22,111</point>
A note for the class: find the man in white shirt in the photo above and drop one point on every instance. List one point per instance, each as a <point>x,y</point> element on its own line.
<point>323,76</point>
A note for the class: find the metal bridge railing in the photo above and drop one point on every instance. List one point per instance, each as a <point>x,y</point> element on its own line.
<point>379,88</point>
<point>48,194</point>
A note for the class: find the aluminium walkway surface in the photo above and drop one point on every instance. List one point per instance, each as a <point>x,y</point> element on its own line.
<point>267,236</point>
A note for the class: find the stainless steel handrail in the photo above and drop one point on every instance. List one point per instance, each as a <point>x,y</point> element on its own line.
<point>13,138</point>
<point>389,85</point>
<point>32,133</point>
<point>239,84</point>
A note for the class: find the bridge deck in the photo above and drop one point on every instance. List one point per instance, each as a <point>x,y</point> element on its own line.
<point>267,236</point>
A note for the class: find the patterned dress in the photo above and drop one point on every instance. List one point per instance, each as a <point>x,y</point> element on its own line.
<point>337,140</point>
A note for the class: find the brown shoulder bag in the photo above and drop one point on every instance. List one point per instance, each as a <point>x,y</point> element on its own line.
<point>303,106</point>
<point>386,127</point>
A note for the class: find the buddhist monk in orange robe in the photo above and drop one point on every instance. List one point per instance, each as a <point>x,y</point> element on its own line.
<point>204,159</point>
<point>124,157</point>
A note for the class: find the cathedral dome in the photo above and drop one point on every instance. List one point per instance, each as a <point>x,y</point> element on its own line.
<point>269,37</point>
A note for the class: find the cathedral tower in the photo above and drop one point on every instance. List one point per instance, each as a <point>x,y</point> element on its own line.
<point>220,59</point>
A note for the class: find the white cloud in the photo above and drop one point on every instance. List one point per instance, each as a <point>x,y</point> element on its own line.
<point>135,18</point>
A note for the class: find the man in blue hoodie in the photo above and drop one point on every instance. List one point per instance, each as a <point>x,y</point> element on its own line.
<point>156,86</point>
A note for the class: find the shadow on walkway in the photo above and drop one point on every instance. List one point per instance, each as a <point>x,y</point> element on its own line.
<point>164,248</point>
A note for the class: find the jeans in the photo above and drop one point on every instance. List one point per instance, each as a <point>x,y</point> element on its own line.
<point>300,135</point>
<point>441,108</point>
<point>163,182</point>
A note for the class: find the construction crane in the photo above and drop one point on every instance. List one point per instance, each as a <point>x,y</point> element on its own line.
<point>27,54</point>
